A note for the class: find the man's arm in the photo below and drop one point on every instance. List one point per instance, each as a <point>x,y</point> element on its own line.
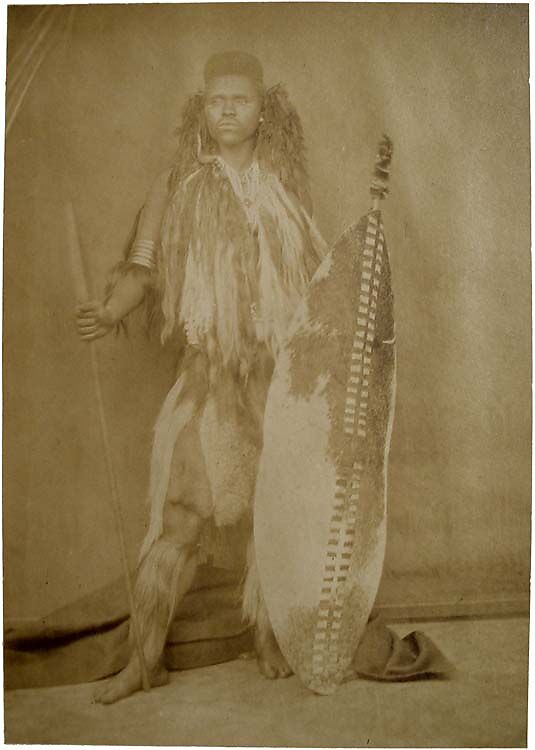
<point>96,318</point>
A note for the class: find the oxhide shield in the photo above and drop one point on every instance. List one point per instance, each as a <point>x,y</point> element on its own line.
<point>320,503</point>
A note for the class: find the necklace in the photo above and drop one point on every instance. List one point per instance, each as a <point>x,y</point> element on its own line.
<point>245,185</point>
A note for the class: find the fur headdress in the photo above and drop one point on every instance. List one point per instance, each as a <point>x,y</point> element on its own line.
<point>234,63</point>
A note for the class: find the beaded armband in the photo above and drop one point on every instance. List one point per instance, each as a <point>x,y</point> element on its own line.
<point>142,254</point>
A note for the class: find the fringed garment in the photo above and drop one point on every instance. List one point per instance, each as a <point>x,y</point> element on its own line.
<point>236,254</point>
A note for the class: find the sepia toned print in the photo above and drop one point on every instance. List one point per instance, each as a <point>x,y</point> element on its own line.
<point>299,378</point>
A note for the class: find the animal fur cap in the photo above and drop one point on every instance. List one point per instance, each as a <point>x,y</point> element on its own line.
<point>234,63</point>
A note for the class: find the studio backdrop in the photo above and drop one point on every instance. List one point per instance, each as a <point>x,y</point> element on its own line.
<point>95,126</point>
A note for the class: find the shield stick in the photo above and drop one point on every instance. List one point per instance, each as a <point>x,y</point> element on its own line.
<point>81,288</point>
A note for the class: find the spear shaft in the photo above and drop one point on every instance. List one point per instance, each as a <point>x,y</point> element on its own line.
<point>82,294</point>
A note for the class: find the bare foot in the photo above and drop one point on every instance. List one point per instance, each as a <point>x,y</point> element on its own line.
<point>271,662</point>
<point>129,681</point>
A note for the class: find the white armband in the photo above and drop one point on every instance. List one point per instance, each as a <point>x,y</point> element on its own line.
<point>142,254</point>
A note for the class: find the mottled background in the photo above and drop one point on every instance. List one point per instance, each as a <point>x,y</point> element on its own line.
<point>449,84</point>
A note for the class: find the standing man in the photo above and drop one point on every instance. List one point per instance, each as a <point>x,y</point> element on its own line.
<point>224,250</point>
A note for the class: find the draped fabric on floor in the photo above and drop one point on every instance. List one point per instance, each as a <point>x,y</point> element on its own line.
<point>88,640</point>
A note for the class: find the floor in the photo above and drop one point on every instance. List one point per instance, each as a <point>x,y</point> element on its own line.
<point>484,705</point>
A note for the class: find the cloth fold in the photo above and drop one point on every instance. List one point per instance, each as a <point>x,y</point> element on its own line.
<point>88,640</point>
<point>383,655</point>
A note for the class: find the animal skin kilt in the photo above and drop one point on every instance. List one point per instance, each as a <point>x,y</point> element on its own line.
<point>206,446</point>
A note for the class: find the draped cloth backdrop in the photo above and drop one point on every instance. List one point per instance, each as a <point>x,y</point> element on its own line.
<point>93,96</point>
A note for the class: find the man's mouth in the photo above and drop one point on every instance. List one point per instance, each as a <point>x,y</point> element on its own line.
<point>227,124</point>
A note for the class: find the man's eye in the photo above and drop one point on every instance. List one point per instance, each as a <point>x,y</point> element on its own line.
<point>214,100</point>
<point>242,100</point>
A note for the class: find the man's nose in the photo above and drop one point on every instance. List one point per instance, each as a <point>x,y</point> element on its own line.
<point>229,107</point>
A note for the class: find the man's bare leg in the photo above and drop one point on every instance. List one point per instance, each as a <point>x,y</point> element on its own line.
<point>165,575</point>
<point>270,659</point>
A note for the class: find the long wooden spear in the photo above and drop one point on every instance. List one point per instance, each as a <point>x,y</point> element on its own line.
<point>81,287</point>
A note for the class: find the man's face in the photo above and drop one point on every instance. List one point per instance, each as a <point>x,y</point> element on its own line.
<point>232,109</point>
